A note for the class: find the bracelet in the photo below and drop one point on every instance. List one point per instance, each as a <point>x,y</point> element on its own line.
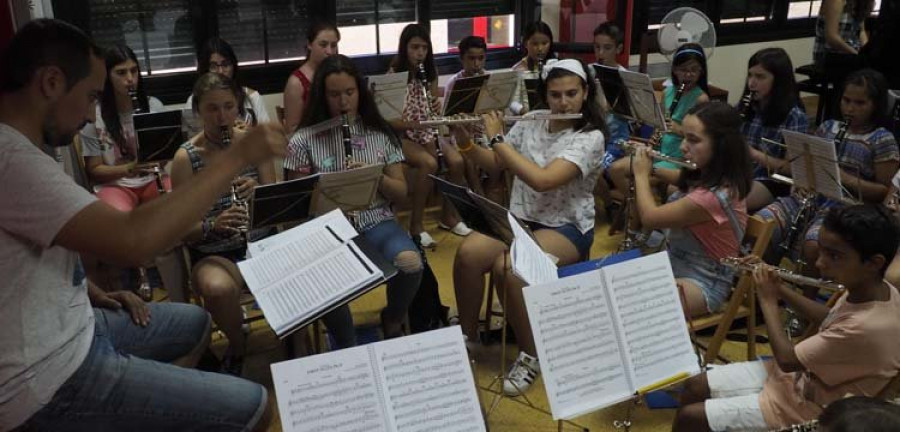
<point>467,148</point>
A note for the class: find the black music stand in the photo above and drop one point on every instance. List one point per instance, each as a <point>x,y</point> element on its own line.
<point>613,90</point>
<point>282,203</point>
<point>535,98</point>
<point>464,95</point>
<point>159,135</point>
<point>478,212</point>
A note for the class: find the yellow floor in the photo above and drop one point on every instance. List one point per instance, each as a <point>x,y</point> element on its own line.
<point>509,415</point>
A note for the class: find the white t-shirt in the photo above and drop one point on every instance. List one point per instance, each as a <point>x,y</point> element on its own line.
<point>97,141</point>
<point>46,320</point>
<point>571,203</point>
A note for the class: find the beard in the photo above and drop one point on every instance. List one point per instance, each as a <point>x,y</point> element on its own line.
<point>54,137</point>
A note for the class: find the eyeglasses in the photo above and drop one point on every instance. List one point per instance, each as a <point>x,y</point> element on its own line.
<point>689,71</point>
<point>213,66</point>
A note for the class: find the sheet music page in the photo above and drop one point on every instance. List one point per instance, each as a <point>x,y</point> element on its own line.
<point>389,91</point>
<point>428,383</point>
<point>307,290</point>
<point>529,262</point>
<point>349,190</point>
<point>650,319</point>
<point>331,392</point>
<point>824,159</point>
<point>581,358</point>
<point>310,239</point>
<point>642,99</point>
<point>497,91</point>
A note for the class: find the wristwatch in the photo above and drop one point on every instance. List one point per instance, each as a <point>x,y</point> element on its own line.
<point>496,139</point>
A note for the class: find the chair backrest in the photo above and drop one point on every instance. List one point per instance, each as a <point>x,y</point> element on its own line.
<point>757,235</point>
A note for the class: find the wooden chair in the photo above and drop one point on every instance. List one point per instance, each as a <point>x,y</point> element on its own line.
<point>743,298</point>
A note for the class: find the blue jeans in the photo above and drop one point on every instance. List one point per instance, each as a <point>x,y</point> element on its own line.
<point>391,240</point>
<point>123,384</point>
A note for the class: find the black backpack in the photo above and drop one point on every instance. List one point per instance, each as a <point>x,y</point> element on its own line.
<point>426,311</point>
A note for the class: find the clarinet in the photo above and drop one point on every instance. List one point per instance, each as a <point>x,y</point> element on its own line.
<point>135,103</point>
<point>348,142</point>
<point>841,134</point>
<point>745,107</point>
<point>136,109</point>
<point>237,201</point>
<point>422,75</point>
<point>654,140</point>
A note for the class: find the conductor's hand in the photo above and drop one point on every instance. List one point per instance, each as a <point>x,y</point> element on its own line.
<point>493,123</point>
<point>261,143</point>
<point>767,283</point>
<point>641,164</point>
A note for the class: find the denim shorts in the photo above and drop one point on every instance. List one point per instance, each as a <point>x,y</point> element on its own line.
<point>582,242</point>
<point>715,281</point>
<point>390,239</point>
<point>123,383</point>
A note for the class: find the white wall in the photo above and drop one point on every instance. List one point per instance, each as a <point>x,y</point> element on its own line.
<point>728,64</point>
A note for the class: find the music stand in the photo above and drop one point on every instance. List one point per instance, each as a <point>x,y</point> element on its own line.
<point>464,95</point>
<point>613,89</point>
<point>642,100</point>
<point>389,92</point>
<point>159,135</point>
<point>535,99</point>
<point>478,212</point>
<point>497,92</point>
<point>814,164</point>
<point>351,190</point>
<point>282,203</point>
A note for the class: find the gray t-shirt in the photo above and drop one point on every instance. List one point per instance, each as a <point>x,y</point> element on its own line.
<point>46,320</point>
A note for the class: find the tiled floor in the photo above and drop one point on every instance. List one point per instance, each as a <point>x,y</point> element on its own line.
<point>509,415</point>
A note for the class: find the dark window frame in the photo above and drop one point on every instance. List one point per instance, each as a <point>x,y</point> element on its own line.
<point>271,77</point>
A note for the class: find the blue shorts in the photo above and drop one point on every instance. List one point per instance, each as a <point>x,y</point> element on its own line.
<point>123,384</point>
<point>390,239</point>
<point>582,242</point>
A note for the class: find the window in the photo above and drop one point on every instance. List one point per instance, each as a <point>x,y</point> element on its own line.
<point>159,32</point>
<point>264,31</point>
<point>364,32</point>
<point>498,31</point>
<point>745,11</point>
<point>810,9</point>
<point>574,21</point>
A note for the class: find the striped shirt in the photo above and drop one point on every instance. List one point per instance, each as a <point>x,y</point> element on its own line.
<point>324,153</point>
<point>754,131</point>
<point>215,243</point>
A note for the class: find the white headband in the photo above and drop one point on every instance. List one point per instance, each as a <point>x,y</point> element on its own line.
<point>570,65</point>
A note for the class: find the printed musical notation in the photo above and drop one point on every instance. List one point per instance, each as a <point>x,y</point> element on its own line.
<point>416,383</point>
<point>329,394</point>
<point>603,334</point>
<point>651,317</point>
<point>429,385</point>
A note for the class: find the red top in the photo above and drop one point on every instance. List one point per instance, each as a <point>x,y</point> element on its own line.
<point>304,81</point>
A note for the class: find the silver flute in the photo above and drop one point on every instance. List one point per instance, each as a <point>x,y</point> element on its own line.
<point>810,426</point>
<point>443,121</point>
<point>684,163</point>
<point>786,275</point>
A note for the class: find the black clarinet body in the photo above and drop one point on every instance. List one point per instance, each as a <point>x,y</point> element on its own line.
<point>422,75</point>
<point>346,139</point>
<point>745,106</point>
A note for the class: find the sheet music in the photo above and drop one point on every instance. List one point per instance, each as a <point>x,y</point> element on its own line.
<point>336,392</point>
<point>576,341</point>
<point>651,320</point>
<point>349,190</point>
<point>428,383</point>
<point>497,92</point>
<point>311,239</point>
<point>826,180</point>
<point>389,91</point>
<point>498,217</point>
<point>529,262</point>
<point>293,298</point>
<point>642,99</point>
<point>464,95</point>
<point>609,80</point>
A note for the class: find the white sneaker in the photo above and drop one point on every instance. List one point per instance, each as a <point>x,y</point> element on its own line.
<point>521,375</point>
<point>460,229</point>
<point>425,239</point>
